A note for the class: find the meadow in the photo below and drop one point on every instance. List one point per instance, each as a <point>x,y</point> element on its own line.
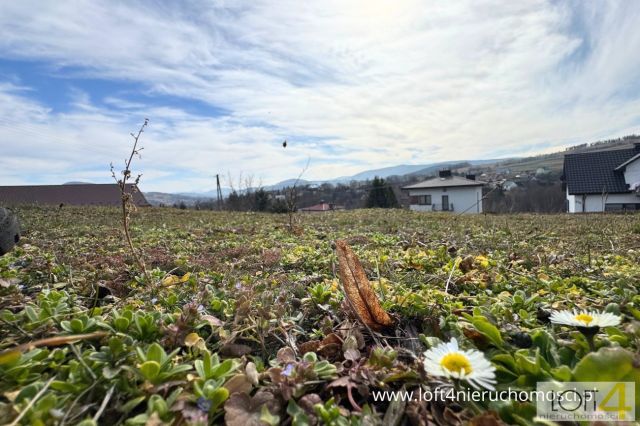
<point>246,321</point>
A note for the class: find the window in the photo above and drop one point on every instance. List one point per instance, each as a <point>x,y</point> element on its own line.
<point>444,189</point>
<point>617,207</point>
<point>421,200</point>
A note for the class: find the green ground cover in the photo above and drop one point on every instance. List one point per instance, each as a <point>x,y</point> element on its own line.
<point>246,322</point>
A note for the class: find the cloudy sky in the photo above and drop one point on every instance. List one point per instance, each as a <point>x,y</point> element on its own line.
<point>351,85</point>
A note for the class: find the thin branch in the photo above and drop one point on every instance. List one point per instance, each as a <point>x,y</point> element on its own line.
<point>32,402</point>
<point>453,268</point>
<point>105,401</point>
<point>291,195</point>
<point>127,204</point>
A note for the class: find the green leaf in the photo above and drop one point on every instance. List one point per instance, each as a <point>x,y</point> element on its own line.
<point>545,342</point>
<point>483,325</point>
<point>157,404</point>
<point>156,353</point>
<point>150,369</point>
<point>298,416</point>
<point>10,356</point>
<point>562,373</point>
<point>31,313</point>
<point>507,360</point>
<point>76,325</point>
<point>121,324</point>
<point>222,369</point>
<point>179,369</point>
<point>606,365</point>
<point>199,365</point>
<point>635,312</point>
<point>63,386</point>
<point>268,418</point>
<point>609,365</point>
<point>110,373</point>
<point>527,365</point>
<point>131,404</point>
<point>66,326</point>
<point>217,397</point>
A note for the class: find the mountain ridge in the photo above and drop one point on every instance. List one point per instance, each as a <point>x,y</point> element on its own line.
<point>552,161</point>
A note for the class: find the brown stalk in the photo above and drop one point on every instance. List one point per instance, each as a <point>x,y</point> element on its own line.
<point>127,204</point>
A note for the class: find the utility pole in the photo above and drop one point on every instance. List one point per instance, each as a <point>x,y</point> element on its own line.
<point>219,192</point>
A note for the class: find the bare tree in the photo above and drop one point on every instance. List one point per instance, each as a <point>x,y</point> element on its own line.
<point>291,196</point>
<point>127,203</point>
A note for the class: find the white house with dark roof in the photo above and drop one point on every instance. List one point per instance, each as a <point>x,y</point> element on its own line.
<point>446,192</point>
<point>603,180</point>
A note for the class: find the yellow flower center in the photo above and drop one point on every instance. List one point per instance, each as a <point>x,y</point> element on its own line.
<point>585,318</point>
<point>456,362</point>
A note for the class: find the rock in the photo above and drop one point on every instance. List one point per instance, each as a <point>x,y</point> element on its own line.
<point>9,231</point>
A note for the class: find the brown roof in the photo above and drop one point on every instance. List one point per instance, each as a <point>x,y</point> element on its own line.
<point>76,194</point>
<point>322,207</point>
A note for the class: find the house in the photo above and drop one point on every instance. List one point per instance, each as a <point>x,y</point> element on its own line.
<point>509,185</point>
<point>85,194</point>
<point>542,171</point>
<point>602,180</point>
<point>446,192</point>
<point>322,207</point>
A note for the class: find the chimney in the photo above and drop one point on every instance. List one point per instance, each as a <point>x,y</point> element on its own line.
<point>444,173</point>
<point>471,177</point>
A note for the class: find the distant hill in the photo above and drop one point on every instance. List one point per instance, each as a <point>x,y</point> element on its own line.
<point>384,172</point>
<point>288,183</point>
<point>407,169</point>
<point>552,162</point>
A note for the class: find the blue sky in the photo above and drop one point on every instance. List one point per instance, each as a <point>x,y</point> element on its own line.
<point>351,85</point>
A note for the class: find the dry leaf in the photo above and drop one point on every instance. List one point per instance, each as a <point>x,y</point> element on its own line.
<point>488,418</point>
<point>193,339</point>
<point>360,295</point>
<point>234,350</point>
<point>243,410</point>
<point>239,383</point>
<point>285,355</point>
<point>252,373</point>
<point>329,347</point>
<point>466,264</point>
<point>479,339</point>
<point>8,282</point>
<point>213,321</point>
<point>310,346</point>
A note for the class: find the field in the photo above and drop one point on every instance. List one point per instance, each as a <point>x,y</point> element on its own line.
<point>246,321</point>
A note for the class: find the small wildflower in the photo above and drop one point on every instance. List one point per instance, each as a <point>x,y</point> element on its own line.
<point>448,360</point>
<point>287,370</point>
<point>585,318</point>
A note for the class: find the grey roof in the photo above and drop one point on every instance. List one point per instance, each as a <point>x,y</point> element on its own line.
<point>77,194</point>
<point>629,161</point>
<point>595,172</point>
<point>446,182</point>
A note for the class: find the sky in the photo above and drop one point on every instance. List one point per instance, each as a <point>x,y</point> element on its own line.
<point>351,85</point>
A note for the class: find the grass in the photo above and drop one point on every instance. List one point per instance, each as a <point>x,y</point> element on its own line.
<point>250,323</point>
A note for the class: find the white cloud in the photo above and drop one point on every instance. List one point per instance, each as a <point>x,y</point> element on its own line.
<point>378,82</point>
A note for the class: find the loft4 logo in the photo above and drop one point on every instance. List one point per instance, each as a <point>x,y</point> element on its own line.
<point>586,401</point>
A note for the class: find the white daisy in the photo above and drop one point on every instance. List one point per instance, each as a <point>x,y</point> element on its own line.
<point>585,318</point>
<point>448,360</point>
